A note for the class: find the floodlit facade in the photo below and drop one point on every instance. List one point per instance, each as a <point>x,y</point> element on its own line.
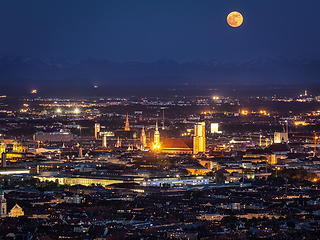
<point>156,138</point>
<point>199,139</point>
<point>177,146</point>
<point>104,141</point>
<point>16,211</point>
<point>127,126</point>
<point>215,128</point>
<point>89,180</point>
<point>280,137</point>
<point>174,181</point>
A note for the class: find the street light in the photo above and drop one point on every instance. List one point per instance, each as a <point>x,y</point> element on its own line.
<point>260,140</point>
<point>277,168</point>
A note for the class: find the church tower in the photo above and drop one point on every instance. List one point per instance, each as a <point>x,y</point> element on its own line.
<point>3,204</point>
<point>127,127</point>
<point>118,144</point>
<point>156,137</point>
<point>143,138</point>
<point>199,138</point>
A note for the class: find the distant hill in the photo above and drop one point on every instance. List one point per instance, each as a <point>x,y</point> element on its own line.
<point>165,71</point>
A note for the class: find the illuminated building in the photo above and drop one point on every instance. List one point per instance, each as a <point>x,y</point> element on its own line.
<point>273,159</point>
<point>16,211</point>
<point>300,123</point>
<point>96,130</point>
<point>104,140</point>
<point>280,137</point>
<point>177,146</point>
<point>91,179</point>
<point>215,128</point>
<point>19,148</point>
<point>2,148</point>
<point>127,127</point>
<point>3,204</point>
<point>13,171</point>
<point>118,144</point>
<point>126,133</point>
<point>199,138</point>
<point>174,181</point>
<point>13,149</point>
<point>198,170</point>
<point>156,137</point>
<point>62,136</point>
<point>143,138</point>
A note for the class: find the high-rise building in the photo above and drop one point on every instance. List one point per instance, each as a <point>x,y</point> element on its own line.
<point>199,138</point>
<point>215,128</point>
<point>156,138</point>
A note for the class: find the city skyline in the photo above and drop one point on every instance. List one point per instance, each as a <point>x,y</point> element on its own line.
<point>159,120</point>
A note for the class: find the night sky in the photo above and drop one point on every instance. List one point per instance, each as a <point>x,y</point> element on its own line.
<point>181,30</point>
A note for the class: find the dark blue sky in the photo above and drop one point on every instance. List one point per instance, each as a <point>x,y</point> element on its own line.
<point>137,30</point>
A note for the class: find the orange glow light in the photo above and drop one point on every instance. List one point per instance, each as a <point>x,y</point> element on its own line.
<point>303,123</point>
<point>244,112</point>
<point>156,146</point>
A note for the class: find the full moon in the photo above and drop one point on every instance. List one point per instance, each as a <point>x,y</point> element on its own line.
<point>234,19</point>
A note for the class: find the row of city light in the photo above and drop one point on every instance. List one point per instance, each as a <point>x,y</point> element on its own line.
<point>262,112</point>
<point>76,110</point>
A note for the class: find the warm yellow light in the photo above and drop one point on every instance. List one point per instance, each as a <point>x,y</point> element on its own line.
<point>156,146</point>
<point>303,123</point>
<point>77,110</point>
<point>34,91</point>
<point>234,19</point>
<point>244,112</point>
<point>58,110</point>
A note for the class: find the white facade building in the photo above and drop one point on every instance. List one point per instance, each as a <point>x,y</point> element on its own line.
<point>174,181</point>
